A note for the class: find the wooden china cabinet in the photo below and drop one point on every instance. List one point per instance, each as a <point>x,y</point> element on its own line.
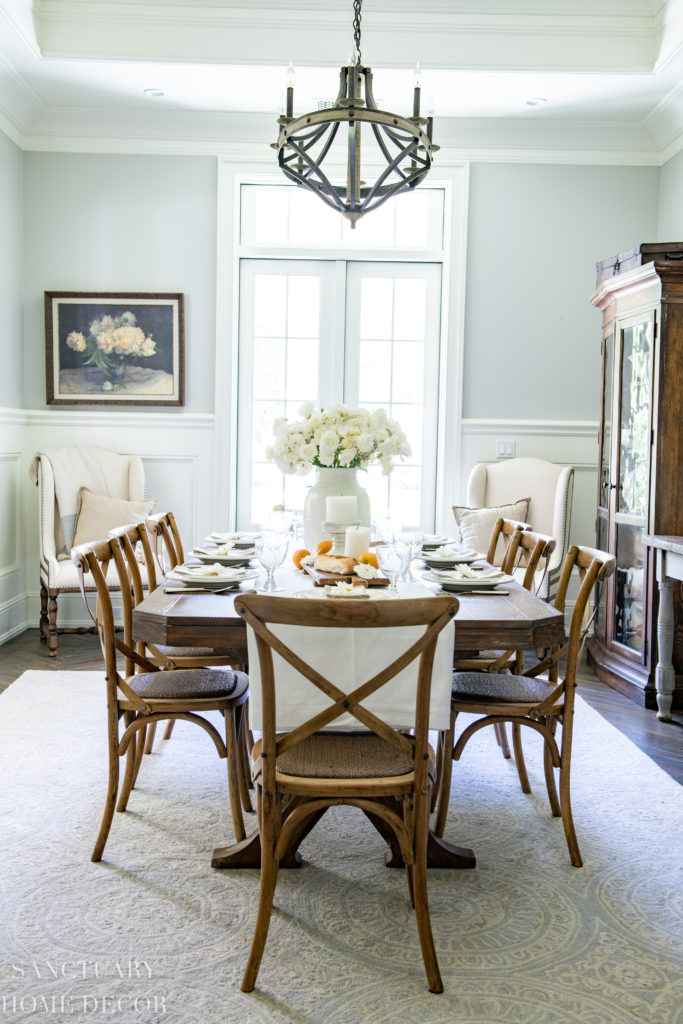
<point>640,459</point>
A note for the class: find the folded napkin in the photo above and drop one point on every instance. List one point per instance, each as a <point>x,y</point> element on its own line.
<point>450,552</point>
<point>346,590</point>
<point>466,572</point>
<point>224,572</point>
<point>226,549</point>
<point>224,538</point>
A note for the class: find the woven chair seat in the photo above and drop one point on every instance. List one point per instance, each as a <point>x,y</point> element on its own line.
<point>189,683</point>
<point>344,756</point>
<point>506,689</point>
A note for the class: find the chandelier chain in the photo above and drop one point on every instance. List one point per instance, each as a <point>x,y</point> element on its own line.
<point>356,28</point>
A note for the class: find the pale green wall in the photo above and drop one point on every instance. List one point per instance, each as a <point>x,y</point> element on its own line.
<point>122,223</point>
<point>671,200</point>
<point>532,338</point>
<point>10,273</point>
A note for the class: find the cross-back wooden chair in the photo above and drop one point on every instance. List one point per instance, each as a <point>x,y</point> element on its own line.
<point>505,530</point>
<point>166,540</point>
<point>151,694</point>
<point>526,699</point>
<point>385,770</point>
<point>168,551</point>
<point>164,656</point>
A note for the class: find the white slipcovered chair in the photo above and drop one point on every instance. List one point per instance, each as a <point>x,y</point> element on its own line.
<point>60,474</point>
<point>548,485</point>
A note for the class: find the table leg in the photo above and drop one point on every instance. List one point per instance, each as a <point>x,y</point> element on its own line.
<point>665,677</point>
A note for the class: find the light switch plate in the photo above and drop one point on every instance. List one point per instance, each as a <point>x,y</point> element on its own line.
<point>505,449</point>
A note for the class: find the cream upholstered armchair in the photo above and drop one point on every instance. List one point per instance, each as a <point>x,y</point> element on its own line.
<point>548,485</point>
<point>83,493</point>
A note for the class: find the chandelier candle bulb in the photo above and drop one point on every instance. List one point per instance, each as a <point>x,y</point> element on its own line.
<point>357,541</point>
<point>341,508</point>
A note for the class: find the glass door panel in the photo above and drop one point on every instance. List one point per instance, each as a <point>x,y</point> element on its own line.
<point>634,434</point>
<point>606,439</point>
<point>629,596</point>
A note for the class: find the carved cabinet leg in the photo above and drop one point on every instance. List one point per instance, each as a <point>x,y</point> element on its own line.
<point>665,676</point>
<point>52,639</point>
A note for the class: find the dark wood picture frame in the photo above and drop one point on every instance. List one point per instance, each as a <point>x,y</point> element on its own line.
<point>115,348</point>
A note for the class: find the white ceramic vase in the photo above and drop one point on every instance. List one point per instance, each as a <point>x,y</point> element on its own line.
<point>331,482</point>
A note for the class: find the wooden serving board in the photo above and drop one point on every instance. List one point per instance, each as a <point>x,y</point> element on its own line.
<point>327,579</point>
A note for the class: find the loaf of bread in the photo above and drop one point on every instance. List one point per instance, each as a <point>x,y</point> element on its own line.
<point>340,565</point>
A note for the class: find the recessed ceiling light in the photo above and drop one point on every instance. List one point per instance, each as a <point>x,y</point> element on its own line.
<point>154,92</point>
<point>536,101</point>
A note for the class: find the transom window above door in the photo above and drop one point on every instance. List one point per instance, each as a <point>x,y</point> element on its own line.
<point>364,331</point>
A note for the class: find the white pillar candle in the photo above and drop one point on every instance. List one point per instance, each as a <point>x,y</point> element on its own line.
<point>357,541</point>
<point>341,508</point>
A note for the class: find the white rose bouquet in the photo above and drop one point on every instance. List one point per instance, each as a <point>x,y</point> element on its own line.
<point>337,437</point>
<point>110,340</point>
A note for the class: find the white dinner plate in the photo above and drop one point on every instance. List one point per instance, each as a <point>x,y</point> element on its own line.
<point>235,557</point>
<point>448,561</point>
<point>222,582</point>
<point>374,594</point>
<point>487,583</point>
<point>239,539</point>
<point>430,543</point>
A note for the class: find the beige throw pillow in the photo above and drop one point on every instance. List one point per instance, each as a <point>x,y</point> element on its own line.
<point>475,525</point>
<point>98,514</point>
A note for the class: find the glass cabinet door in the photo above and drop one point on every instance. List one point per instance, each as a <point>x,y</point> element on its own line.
<point>605,457</point>
<point>631,459</point>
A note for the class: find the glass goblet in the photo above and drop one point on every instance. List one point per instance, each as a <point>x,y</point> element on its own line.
<point>271,551</point>
<point>393,560</point>
<point>414,542</point>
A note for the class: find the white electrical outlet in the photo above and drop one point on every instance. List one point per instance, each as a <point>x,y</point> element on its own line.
<point>505,449</point>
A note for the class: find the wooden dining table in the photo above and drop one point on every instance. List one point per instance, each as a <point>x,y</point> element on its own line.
<point>507,618</point>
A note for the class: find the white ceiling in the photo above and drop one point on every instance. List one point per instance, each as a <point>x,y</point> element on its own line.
<point>73,72</point>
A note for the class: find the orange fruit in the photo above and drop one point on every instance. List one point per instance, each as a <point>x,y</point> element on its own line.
<point>298,555</point>
<point>323,547</point>
<point>369,558</point>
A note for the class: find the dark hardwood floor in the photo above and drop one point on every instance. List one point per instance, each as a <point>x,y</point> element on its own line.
<point>661,741</point>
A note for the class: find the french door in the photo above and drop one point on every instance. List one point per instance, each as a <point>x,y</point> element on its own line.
<point>361,332</point>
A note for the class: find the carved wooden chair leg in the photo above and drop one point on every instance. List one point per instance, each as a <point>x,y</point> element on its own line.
<point>52,636</point>
<point>519,758</point>
<point>233,767</point>
<point>269,869</point>
<point>424,927</point>
<point>43,613</point>
<point>565,796</point>
<point>502,738</point>
<point>550,774</point>
<point>169,729</point>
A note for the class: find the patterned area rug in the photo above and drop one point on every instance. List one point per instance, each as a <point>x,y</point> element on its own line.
<point>154,934</point>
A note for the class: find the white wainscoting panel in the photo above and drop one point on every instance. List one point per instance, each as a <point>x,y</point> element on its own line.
<point>13,604</point>
<point>178,453</point>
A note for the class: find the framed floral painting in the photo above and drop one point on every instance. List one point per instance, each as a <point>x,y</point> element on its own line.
<point>109,348</point>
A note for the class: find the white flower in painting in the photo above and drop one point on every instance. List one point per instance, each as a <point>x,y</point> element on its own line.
<point>148,347</point>
<point>107,386</point>
<point>76,341</point>
<point>128,318</point>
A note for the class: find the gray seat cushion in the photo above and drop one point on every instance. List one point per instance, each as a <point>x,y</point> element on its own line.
<point>189,683</point>
<point>499,687</point>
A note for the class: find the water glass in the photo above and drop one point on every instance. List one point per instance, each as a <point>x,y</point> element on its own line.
<point>393,560</point>
<point>271,551</point>
<point>414,542</point>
